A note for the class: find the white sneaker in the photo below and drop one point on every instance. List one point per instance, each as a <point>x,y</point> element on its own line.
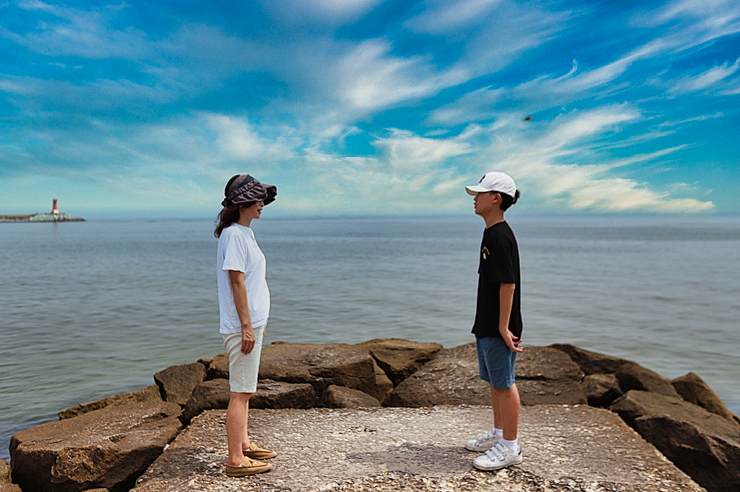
<point>497,457</point>
<point>484,442</point>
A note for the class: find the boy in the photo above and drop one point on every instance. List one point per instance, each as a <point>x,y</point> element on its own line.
<point>498,321</point>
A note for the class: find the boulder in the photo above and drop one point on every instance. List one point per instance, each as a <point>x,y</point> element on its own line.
<point>219,367</point>
<point>632,376</point>
<point>4,472</point>
<point>106,448</point>
<point>147,394</point>
<point>635,404</point>
<point>693,389</point>
<point>321,365</point>
<point>278,394</point>
<point>451,378</point>
<point>176,383</point>
<point>340,397</point>
<point>601,389</point>
<point>400,358</point>
<point>591,362</point>
<point>702,444</point>
<point>5,484</point>
<point>713,461</point>
<point>383,385</point>
<point>208,395</point>
<point>547,376</point>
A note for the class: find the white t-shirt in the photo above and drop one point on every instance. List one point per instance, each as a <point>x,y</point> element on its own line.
<point>238,250</point>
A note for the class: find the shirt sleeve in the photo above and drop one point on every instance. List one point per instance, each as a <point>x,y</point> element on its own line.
<point>501,263</point>
<point>235,253</point>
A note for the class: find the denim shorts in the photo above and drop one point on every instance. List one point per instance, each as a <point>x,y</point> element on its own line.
<point>244,369</point>
<point>495,362</point>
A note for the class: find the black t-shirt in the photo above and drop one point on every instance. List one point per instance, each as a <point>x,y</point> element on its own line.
<point>499,263</point>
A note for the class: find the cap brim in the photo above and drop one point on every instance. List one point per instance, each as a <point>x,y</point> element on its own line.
<point>474,190</point>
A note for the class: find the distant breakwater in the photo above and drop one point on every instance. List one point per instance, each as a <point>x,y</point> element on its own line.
<point>40,218</point>
<point>124,434</point>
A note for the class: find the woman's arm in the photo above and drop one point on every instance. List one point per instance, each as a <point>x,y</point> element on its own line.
<point>236,279</point>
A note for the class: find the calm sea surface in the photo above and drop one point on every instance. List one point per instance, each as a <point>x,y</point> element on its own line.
<point>96,308</point>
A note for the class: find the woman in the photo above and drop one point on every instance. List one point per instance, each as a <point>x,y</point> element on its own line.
<point>244,305</point>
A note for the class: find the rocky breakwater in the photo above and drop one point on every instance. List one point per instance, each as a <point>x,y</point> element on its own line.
<point>108,444</point>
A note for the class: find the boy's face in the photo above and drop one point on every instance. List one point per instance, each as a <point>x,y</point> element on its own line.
<point>486,202</point>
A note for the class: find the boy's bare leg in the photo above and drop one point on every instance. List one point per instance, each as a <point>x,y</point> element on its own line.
<point>509,407</point>
<point>497,422</point>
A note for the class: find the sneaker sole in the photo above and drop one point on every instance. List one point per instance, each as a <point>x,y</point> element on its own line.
<point>496,467</point>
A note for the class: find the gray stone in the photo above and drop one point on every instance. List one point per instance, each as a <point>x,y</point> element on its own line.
<point>400,358</point>
<point>278,394</point>
<point>208,395</point>
<point>693,389</point>
<point>147,394</point>
<point>105,448</point>
<point>321,365</point>
<point>591,362</point>
<point>421,449</point>
<point>601,389</point>
<point>340,397</point>
<point>633,376</point>
<point>451,378</point>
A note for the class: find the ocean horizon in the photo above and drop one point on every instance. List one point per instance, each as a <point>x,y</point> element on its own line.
<point>96,308</point>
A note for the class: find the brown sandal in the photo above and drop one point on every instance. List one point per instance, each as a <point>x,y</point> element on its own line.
<point>257,452</point>
<point>248,467</point>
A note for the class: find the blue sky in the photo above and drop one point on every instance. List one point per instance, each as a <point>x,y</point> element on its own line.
<point>369,106</point>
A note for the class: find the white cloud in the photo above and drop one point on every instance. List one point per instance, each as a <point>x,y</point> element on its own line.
<point>370,78</point>
<point>562,170</point>
<point>78,33</point>
<point>451,16</point>
<point>708,80</point>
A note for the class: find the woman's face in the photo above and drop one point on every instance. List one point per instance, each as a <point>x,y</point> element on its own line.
<point>253,211</point>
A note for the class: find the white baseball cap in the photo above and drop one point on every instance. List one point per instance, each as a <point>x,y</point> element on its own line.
<point>494,181</point>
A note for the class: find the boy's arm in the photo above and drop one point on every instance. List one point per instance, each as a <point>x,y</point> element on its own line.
<point>506,301</point>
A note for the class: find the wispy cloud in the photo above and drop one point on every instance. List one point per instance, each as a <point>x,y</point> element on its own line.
<point>712,80</point>
<point>83,33</point>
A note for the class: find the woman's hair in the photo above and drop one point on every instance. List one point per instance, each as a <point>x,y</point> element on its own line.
<point>227,215</point>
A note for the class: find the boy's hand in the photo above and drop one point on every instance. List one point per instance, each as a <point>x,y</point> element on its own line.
<point>512,342</point>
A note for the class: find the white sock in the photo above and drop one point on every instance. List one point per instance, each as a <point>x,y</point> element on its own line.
<point>512,445</point>
<point>499,433</point>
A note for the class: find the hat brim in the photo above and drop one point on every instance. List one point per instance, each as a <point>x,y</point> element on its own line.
<point>474,190</point>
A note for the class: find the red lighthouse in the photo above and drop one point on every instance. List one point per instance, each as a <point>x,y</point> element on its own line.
<point>54,209</point>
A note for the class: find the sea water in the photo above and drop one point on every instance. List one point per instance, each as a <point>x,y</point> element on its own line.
<point>96,308</point>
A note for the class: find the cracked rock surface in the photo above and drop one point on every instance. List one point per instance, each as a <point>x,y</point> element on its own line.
<point>565,448</point>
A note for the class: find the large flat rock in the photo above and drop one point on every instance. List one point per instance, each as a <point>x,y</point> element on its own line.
<point>574,448</point>
<point>106,448</point>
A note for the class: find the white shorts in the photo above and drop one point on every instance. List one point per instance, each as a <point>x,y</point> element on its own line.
<point>244,369</point>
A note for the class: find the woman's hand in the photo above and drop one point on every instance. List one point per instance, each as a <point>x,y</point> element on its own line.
<point>248,340</point>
